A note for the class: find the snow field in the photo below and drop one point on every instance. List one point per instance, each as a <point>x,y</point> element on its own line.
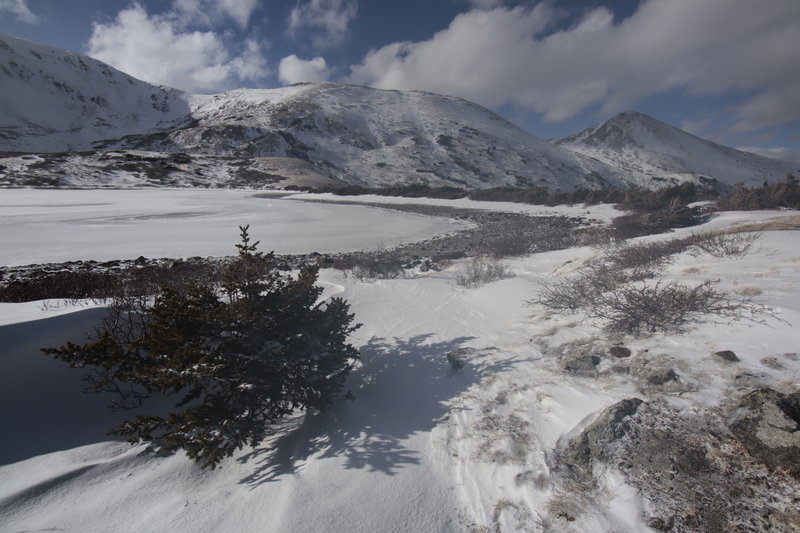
<point>423,447</point>
<point>47,226</point>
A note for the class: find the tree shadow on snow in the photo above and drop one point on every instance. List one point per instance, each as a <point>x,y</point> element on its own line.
<point>401,389</point>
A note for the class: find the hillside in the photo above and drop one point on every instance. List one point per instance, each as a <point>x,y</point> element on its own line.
<point>71,110</point>
<point>644,150</point>
<point>56,100</point>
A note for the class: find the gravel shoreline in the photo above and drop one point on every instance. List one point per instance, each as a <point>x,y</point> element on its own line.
<point>494,233</point>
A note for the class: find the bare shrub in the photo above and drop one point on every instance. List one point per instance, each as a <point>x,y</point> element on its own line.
<point>366,266</point>
<point>749,292</point>
<point>614,288</point>
<point>481,271</point>
<point>107,284</point>
<point>661,306</point>
<point>645,255</point>
<point>724,244</point>
<point>581,291</point>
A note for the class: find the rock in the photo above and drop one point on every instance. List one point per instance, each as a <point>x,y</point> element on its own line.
<point>425,266</point>
<point>660,524</point>
<point>691,461</point>
<point>458,357</point>
<point>767,423</point>
<point>728,355</point>
<point>619,351</point>
<point>582,364</point>
<point>773,363</point>
<point>659,376</point>
<point>590,446</point>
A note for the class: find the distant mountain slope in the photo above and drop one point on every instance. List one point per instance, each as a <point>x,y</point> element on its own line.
<point>375,137</point>
<point>55,100</point>
<point>643,149</point>
<point>58,101</point>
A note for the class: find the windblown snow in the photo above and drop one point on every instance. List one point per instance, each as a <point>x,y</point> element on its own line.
<point>424,446</point>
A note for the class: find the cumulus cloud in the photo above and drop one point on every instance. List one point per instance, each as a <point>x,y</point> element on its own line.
<point>292,69</point>
<point>210,12</point>
<point>20,9</point>
<point>154,49</point>
<point>328,20</point>
<point>514,56</point>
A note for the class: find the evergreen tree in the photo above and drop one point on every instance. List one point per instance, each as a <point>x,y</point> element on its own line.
<point>236,361</point>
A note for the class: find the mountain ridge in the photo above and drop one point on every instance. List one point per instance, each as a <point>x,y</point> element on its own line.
<point>640,145</point>
<point>320,134</point>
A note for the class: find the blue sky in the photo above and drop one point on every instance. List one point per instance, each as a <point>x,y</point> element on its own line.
<point>728,70</point>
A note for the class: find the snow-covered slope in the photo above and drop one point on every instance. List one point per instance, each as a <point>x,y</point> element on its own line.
<point>425,447</point>
<point>56,100</point>
<point>644,150</point>
<point>375,137</point>
<point>59,101</point>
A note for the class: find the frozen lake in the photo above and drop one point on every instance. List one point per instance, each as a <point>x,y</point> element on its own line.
<point>43,226</point>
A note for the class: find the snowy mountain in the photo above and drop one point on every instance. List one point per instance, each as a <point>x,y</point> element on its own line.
<point>70,109</point>
<point>375,137</point>
<point>56,100</point>
<point>644,150</point>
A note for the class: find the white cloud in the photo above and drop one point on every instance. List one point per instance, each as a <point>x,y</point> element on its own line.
<point>780,152</point>
<point>153,49</point>
<point>210,12</point>
<point>20,9</point>
<point>329,20</point>
<point>510,56</point>
<point>292,69</point>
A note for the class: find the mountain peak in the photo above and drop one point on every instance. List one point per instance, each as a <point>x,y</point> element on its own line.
<point>646,149</point>
<point>60,101</point>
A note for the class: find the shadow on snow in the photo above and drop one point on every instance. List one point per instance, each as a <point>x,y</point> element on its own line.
<point>401,389</point>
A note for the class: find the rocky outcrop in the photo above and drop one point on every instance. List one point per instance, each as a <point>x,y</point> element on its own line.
<point>767,423</point>
<point>591,445</point>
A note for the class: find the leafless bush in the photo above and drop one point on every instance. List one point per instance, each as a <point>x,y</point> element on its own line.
<point>645,255</point>
<point>661,306</point>
<point>481,271</point>
<point>615,290</point>
<point>725,244</point>
<point>366,266</point>
<point>108,284</point>
<point>581,291</point>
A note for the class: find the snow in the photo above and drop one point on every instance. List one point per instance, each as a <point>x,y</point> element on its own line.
<point>59,100</point>
<point>39,226</point>
<point>422,447</point>
<point>598,213</point>
<point>642,148</point>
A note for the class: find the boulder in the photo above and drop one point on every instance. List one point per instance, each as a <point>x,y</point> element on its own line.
<point>659,376</point>
<point>582,364</point>
<point>592,443</point>
<point>619,352</point>
<point>458,357</point>
<point>767,423</point>
<point>728,355</point>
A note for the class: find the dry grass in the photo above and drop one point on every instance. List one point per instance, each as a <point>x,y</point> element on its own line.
<point>787,223</point>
